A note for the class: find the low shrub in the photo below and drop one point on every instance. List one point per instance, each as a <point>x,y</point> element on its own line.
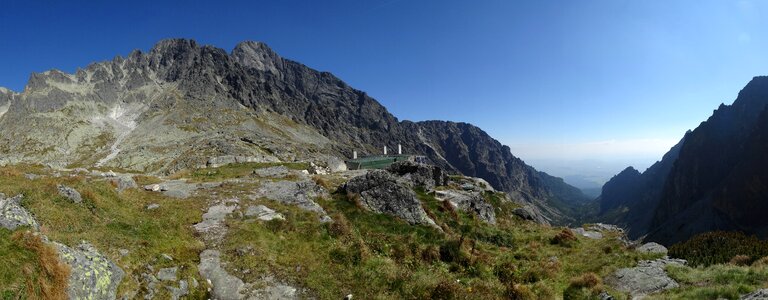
<point>719,247</point>
<point>564,238</point>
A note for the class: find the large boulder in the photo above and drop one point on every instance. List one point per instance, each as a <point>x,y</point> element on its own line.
<point>13,215</point>
<point>423,175</point>
<point>381,192</point>
<point>471,202</point>
<point>93,275</point>
<point>647,278</point>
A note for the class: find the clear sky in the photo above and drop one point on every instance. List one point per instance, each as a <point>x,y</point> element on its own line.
<point>558,81</point>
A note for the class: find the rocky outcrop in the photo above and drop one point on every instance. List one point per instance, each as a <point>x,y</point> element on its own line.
<point>426,176</point>
<point>471,202</point>
<point>224,285</point>
<point>301,193</point>
<point>263,213</point>
<point>382,192</point>
<point>93,275</point>
<point>647,278</point>
<point>652,248</point>
<point>13,215</point>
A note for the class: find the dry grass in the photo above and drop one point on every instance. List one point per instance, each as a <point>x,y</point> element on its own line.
<point>51,282</point>
<point>740,260</point>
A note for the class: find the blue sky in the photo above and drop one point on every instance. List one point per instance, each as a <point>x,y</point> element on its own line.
<point>558,81</point>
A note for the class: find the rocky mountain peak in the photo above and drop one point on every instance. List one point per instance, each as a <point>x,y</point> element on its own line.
<point>257,55</point>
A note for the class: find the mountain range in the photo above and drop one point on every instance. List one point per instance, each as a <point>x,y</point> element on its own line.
<point>713,179</point>
<point>183,105</point>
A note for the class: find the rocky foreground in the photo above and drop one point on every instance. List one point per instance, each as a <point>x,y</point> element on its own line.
<point>305,231</point>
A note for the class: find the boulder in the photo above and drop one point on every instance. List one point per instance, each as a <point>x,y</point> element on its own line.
<point>13,215</point>
<point>263,213</point>
<point>93,275</point>
<point>647,278</point>
<point>426,176</point>
<point>70,193</point>
<point>471,202</point>
<point>381,192</point>
<point>336,165</point>
<point>125,182</point>
<point>761,294</point>
<point>652,248</point>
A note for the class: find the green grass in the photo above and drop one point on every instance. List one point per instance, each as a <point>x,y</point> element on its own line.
<point>112,221</point>
<point>715,282</point>
<point>372,256</point>
<point>235,171</point>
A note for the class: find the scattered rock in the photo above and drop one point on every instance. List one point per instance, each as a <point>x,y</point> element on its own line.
<point>381,192</point>
<point>652,248</point>
<point>93,275</point>
<point>604,227</point>
<point>315,169</point>
<point>605,296</point>
<point>13,215</point>
<point>153,206</point>
<point>423,175</point>
<point>224,285</point>
<point>167,274</point>
<point>212,226</point>
<point>31,176</point>
<point>179,292</point>
<point>272,172</point>
<point>166,257</point>
<point>109,174</point>
<point>469,201</point>
<point>300,193</point>
<point>263,213</point>
<point>761,294</point>
<point>274,290</point>
<point>647,278</point>
<point>70,193</point>
<point>123,252</point>
<point>152,187</point>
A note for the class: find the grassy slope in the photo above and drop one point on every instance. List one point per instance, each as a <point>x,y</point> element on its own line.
<point>368,255</point>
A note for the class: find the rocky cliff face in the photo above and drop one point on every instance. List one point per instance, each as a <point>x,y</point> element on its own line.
<point>181,104</point>
<point>629,199</point>
<point>712,180</point>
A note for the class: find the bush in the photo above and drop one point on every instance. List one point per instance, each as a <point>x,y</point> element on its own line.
<point>740,260</point>
<point>564,238</point>
<point>506,272</point>
<point>719,247</point>
<point>519,292</point>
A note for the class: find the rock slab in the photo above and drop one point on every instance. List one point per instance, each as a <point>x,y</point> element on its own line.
<point>381,192</point>
<point>93,275</point>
